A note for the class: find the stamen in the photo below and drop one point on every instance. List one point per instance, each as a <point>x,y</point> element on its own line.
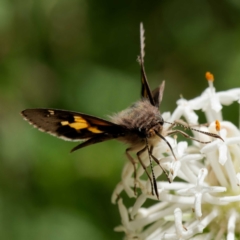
<point>209,76</point>
<point>217,125</point>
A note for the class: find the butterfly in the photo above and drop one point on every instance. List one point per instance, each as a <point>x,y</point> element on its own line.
<point>140,125</point>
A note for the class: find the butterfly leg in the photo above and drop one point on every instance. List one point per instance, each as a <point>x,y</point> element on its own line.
<point>158,162</point>
<point>135,169</point>
<point>153,182</point>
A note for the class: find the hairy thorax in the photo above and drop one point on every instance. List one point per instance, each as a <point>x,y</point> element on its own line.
<point>141,120</point>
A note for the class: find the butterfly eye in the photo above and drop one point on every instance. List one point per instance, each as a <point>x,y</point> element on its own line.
<point>161,122</point>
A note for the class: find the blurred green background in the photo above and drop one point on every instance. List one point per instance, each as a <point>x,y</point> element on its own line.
<point>81,55</point>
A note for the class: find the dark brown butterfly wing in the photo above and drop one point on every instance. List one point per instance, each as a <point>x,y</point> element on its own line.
<point>73,126</point>
<point>158,94</point>
<point>145,91</point>
<point>154,97</point>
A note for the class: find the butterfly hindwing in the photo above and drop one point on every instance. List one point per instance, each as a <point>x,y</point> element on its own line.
<point>158,94</point>
<point>72,126</point>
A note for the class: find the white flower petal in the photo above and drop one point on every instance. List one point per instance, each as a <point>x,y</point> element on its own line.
<point>215,104</point>
<point>229,199</point>
<point>198,102</point>
<point>213,214</point>
<point>228,97</point>
<point>232,225</point>
<point>197,205</point>
<point>222,148</point>
<point>202,174</point>
<point>210,147</point>
<point>233,140</point>
<point>180,230</point>
<point>118,189</point>
<point>238,178</point>
<point>178,112</point>
<point>123,213</point>
<point>140,201</point>
<point>181,148</point>
<point>174,170</point>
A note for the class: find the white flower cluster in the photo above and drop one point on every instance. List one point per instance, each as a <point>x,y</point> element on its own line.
<point>203,200</point>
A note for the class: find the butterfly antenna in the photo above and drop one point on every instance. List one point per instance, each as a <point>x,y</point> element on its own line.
<point>196,130</point>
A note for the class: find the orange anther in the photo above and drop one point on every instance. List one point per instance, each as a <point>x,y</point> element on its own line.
<point>218,125</point>
<point>209,76</point>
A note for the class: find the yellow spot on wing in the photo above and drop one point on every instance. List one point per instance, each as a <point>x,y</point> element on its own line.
<point>81,123</point>
<point>51,112</point>
<point>64,123</point>
<point>79,119</point>
<point>78,125</point>
<point>94,130</point>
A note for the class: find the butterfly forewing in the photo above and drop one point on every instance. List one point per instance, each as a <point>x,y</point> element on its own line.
<point>71,126</point>
<point>145,91</point>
